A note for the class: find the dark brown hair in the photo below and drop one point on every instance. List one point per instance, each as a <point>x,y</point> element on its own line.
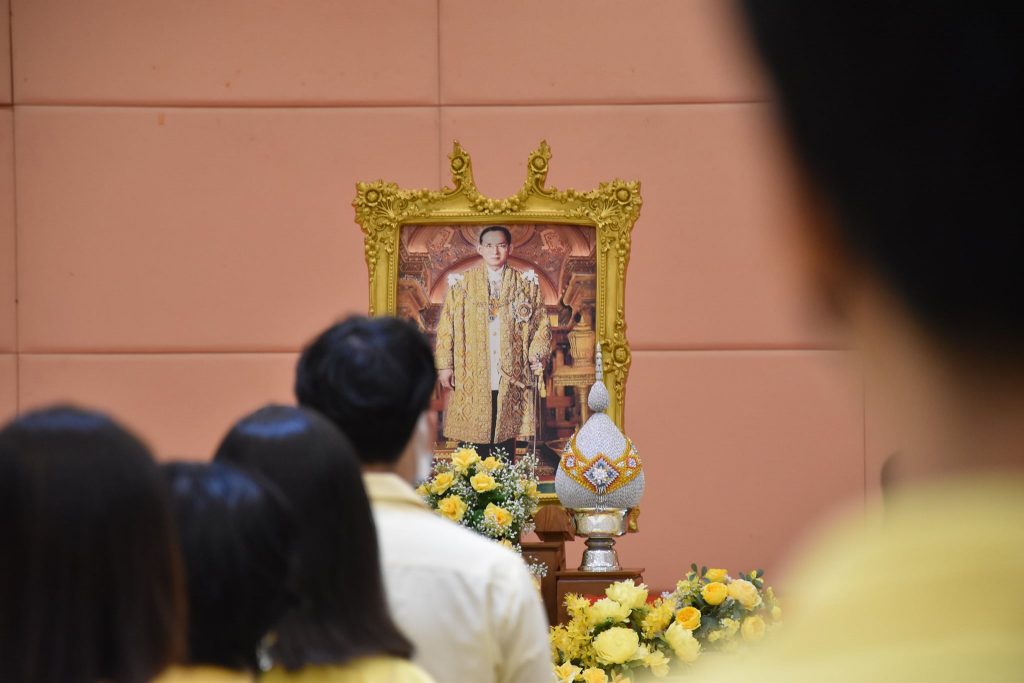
<point>341,612</point>
<point>90,579</point>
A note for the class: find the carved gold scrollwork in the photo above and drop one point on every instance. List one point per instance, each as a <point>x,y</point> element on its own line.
<point>382,208</point>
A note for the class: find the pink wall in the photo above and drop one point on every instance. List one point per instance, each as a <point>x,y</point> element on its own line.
<point>175,221</point>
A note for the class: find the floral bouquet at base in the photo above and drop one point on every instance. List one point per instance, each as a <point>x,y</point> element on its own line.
<point>490,495</point>
<point>625,634</point>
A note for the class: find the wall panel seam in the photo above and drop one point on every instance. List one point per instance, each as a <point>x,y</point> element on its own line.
<point>380,105</point>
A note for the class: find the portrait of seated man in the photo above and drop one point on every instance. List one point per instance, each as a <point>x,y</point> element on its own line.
<point>493,341</point>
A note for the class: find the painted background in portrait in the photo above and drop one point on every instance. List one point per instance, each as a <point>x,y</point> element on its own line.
<point>564,258</point>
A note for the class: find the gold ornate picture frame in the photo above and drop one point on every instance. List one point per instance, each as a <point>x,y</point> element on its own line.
<point>606,214</point>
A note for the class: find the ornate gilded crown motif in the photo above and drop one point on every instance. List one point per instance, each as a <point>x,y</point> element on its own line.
<point>601,474</point>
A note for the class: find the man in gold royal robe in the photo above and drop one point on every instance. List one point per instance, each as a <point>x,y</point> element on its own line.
<point>493,339</point>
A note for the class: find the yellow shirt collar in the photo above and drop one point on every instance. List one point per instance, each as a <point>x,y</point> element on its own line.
<point>388,488</point>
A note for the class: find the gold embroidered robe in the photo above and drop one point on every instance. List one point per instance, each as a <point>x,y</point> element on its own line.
<point>462,345</point>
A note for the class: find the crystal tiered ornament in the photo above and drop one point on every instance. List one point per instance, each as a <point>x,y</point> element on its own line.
<point>599,480</point>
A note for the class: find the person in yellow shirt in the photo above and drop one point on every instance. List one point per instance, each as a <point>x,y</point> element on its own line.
<point>339,629</point>
<point>237,538</point>
<point>905,120</point>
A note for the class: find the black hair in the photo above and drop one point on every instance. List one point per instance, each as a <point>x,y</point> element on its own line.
<point>496,228</point>
<point>373,378</point>
<point>90,578</point>
<point>238,541</point>
<point>341,612</point>
<point>908,117</point>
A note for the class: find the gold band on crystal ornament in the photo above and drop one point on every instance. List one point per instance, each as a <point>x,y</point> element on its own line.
<point>601,474</point>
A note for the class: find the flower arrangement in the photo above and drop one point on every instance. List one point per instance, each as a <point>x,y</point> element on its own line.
<point>625,632</point>
<point>491,496</point>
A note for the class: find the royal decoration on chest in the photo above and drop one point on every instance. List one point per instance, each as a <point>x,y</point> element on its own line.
<point>601,474</point>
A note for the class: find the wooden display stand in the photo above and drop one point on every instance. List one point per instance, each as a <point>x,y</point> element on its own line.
<point>554,527</point>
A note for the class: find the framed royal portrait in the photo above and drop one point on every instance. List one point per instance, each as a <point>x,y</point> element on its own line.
<point>514,295</point>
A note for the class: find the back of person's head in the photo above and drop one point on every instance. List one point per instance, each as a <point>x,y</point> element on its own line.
<point>237,536</point>
<point>373,378</point>
<point>907,118</point>
<point>341,612</point>
<point>90,579</point>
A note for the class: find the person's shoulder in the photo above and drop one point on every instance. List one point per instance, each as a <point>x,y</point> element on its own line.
<point>376,669</point>
<point>460,548</point>
<point>390,670</point>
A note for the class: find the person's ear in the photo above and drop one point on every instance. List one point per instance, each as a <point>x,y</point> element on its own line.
<point>509,252</point>
<point>480,248</point>
<point>826,261</point>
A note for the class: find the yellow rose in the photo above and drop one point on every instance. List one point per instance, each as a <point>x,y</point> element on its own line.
<point>730,626</point>
<point>463,458</point>
<point>421,490</point>
<point>718,575</point>
<point>506,543</point>
<point>529,488</point>
<point>745,593</point>
<point>657,662</point>
<point>752,629</point>
<point>617,645</point>
<point>498,515</point>
<point>483,482</point>
<point>490,463</point>
<point>714,593</point>
<point>593,675</point>
<point>566,673</point>
<point>452,507</point>
<point>627,593</point>
<point>657,618</point>
<point>605,609</point>
<point>442,483</point>
<point>776,613</point>
<point>682,642</point>
<point>688,618</point>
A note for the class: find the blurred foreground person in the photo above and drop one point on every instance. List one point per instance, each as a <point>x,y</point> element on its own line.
<point>90,581</point>
<point>340,630</point>
<point>906,123</point>
<point>237,538</point>
<point>467,603</point>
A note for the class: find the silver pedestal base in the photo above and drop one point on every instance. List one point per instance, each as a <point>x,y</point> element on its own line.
<point>600,526</point>
<point>600,556</point>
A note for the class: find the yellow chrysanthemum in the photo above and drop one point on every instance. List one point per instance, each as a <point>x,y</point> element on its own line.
<point>567,672</point>
<point>659,617</point>
<point>605,609</point>
<point>657,662</point>
<point>682,642</point>
<point>594,675</point>
<point>616,645</point>
<point>627,593</point>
